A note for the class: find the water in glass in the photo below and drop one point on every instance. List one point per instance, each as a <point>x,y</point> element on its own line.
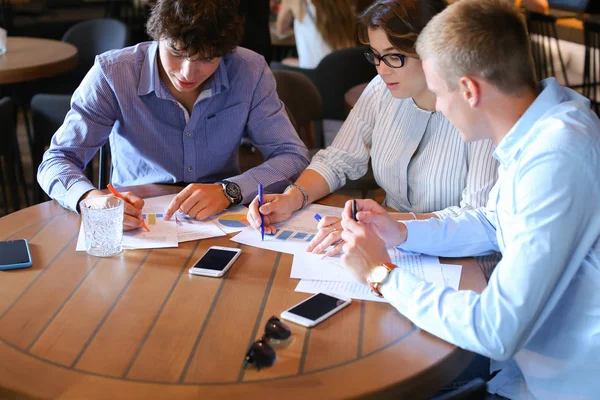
<point>102,225</point>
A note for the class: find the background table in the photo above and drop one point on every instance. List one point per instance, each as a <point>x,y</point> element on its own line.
<point>137,326</point>
<point>27,59</point>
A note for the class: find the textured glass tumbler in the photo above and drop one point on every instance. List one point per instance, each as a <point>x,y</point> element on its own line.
<point>102,225</point>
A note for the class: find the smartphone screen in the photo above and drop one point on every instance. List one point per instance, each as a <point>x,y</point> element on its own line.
<point>215,259</point>
<point>317,306</point>
<point>14,252</point>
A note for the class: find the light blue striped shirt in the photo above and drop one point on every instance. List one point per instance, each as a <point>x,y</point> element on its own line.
<point>152,140</point>
<point>539,316</point>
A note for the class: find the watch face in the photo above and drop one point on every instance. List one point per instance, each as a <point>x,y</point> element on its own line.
<point>233,191</point>
<point>378,274</point>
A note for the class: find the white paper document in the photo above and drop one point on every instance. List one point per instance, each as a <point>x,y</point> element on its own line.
<point>353,289</point>
<point>292,235</point>
<point>181,228</point>
<point>317,267</point>
<point>162,234</point>
<point>229,221</point>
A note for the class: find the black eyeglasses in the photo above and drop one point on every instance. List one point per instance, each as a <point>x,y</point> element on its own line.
<point>261,354</point>
<point>392,60</point>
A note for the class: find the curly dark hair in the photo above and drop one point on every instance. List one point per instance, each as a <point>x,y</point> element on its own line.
<point>203,28</point>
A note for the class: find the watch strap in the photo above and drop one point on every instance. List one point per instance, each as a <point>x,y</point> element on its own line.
<point>375,286</point>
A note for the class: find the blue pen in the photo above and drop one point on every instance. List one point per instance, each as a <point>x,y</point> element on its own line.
<point>318,217</point>
<point>262,217</point>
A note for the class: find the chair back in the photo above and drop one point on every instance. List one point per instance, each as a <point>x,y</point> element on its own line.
<point>8,154</point>
<point>591,73</point>
<point>48,114</point>
<point>92,38</point>
<point>338,72</point>
<point>302,100</point>
<point>543,36</point>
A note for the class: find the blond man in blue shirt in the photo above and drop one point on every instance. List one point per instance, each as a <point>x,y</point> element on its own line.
<point>539,317</point>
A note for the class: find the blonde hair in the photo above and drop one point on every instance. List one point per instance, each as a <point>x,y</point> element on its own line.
<point>336,22</point>
<point>487,38</point>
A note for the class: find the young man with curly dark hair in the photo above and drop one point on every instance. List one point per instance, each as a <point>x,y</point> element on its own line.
<point>175,110</point>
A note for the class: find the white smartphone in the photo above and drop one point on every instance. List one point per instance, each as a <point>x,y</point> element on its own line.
<point>216,261</point>
<point>315,309</point>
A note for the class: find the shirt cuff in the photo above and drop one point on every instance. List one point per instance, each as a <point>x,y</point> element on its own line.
<point>330,177</point>
<point>75,192</point>
<point>249,188</point>
<point>418,232</point>
<point>399,289</point>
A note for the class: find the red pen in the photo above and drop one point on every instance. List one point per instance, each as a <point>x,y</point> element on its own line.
<point>119,195</point>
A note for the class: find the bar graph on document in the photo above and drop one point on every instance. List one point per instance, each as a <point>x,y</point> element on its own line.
<point>288,235</point>
<point>150,218</point>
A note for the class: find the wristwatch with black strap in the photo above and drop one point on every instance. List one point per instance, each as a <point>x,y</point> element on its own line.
<point>378,276</point>
<point>232,191</point>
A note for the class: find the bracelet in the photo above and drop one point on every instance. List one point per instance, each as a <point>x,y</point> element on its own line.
<point>413,214</point>
<point>304,194</point>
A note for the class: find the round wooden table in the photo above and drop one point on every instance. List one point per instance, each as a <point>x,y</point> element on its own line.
<point>27,59</point>
<point>137,326</point>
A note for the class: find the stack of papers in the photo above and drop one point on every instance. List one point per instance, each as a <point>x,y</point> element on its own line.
<point>181,227</point>
<point>327,274</point>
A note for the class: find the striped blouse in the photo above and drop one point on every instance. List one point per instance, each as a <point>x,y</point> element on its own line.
<point>418,156</point>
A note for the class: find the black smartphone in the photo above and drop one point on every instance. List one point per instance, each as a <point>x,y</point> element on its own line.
<point>315,309</point>
<point>14,254</point>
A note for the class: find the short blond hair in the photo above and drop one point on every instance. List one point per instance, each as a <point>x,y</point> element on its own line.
<point>485,38</point>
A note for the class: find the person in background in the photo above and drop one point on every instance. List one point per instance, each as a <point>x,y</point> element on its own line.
<point>417,155</point>
<point>320,27</point>
<point>538,317</point>
<point>175,110</point>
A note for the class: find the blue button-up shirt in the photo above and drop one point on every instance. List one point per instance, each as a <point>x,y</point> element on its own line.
<point>539,316</point>
<point>153,140</point>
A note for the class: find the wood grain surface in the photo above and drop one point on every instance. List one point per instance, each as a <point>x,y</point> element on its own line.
<point>137,326</point>
<point>27,59</point>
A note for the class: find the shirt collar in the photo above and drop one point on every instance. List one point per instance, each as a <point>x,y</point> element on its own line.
<point>150,79</point>
<point>551,94</point>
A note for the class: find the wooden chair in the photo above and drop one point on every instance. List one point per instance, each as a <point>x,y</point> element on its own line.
<point>591,74</point>
<point>542,33</point>
<point>301,97</point>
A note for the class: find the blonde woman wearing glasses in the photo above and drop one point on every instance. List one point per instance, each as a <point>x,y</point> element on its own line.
<point>417,155</point>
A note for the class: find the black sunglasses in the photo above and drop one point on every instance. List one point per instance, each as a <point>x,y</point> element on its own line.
<point>392,60</point>
<point>261,354</point>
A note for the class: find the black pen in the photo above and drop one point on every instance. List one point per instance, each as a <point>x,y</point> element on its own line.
<point>354,210</point>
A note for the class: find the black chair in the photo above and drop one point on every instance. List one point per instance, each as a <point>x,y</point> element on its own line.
<point>48,112</point>
<point>474,390</point>
<point>91,38</point>
<point>337,73</point>
<point>10,157</point>
<point>542,33</point>
<point>302,100</point>
<point>591,74</point>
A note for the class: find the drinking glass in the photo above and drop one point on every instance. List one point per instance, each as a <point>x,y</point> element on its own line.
<point>102,225</point>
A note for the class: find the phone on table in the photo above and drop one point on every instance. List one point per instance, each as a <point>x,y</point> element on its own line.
<point>216,261</point>
<point>14,254</point>
<point>315,309</point>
